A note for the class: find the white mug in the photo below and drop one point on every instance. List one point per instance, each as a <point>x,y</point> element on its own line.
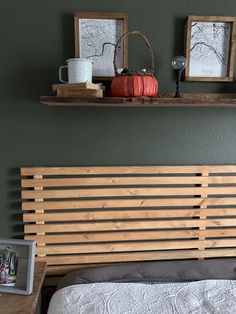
<point>79,70</point>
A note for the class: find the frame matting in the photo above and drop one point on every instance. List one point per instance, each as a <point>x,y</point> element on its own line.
<point>96,34</point>
<point>210,48</point>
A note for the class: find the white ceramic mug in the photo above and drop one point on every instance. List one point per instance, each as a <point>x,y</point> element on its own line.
<point>79,70</point>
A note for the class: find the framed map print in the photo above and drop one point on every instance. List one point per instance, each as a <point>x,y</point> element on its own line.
<point>210,48</point>
<point>96,35</point>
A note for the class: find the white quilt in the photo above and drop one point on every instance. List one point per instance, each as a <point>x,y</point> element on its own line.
<point>208,296</point>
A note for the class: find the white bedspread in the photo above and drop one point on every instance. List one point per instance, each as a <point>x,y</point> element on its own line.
<point>209,296</point>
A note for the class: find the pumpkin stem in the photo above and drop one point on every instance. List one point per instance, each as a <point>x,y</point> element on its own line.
<point>125,71</point>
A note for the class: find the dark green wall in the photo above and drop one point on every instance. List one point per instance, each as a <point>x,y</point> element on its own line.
<point>37,37</point>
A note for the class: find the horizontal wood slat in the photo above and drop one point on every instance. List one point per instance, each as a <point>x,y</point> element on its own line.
<point>130,225</point>
<point>137,256</point>
<point>81,216</point>
<point>31,171</point>
<point>113,181</point>
<point>128,214</point>
<point>139,203</point>
<point>131,236</point>
<point>123,192</point>
<point>131,246</point>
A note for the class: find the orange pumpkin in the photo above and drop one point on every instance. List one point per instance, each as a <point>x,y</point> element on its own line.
<point>134,84</point>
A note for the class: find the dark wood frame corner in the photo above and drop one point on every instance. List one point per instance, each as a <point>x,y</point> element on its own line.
<point>101,15</point>
<point>231,50</point>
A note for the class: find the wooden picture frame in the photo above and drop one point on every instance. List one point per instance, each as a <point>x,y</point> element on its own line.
<point>23,281</point>
<point>96,34</point>
<point>210,48</point>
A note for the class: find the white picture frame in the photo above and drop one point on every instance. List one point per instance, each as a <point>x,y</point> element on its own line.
<point>25,270</point>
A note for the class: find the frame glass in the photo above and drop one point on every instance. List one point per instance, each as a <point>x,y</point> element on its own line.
<point>17,266</point>
<point>95,37</point>
<point>210,48</point>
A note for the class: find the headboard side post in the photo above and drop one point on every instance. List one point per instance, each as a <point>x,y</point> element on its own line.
<point>39,211</point>
<point>203,206</point>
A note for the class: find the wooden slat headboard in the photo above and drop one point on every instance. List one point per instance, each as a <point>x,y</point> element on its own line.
<point>96,215</point>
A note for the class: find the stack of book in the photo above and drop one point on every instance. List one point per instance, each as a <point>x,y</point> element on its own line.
<point>86,89</point>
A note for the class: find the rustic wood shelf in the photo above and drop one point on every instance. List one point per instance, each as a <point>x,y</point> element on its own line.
<point>188,100</point>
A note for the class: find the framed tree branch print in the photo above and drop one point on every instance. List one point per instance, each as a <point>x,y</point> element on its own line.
<point>96,35</point>
<point>210,48</point>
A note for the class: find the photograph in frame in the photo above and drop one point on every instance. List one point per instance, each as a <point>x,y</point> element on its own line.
<point>96,35</point>
<point>17,259</point>
<point>210,48</point>
<point>8,266</point>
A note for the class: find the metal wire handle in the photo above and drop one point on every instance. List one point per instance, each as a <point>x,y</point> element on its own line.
<point>147,44</point>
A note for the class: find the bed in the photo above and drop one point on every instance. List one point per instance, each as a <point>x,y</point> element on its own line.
<point>135,239</point>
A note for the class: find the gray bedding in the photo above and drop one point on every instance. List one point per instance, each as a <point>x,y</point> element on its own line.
<point>161,271</point>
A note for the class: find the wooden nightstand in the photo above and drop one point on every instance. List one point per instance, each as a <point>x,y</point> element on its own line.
<point>15,303</point>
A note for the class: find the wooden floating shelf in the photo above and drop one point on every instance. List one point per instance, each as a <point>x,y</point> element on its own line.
<point>166,100</point>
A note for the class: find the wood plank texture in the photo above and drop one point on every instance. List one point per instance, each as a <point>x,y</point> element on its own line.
<point>128,214</point>
<point>137,256</point>
<point>132,236</point>
<point>81,216</point>
<point>127,192</point>
<point>191,100</point>
<point>133,246</point>
<point>130,225</point>
<point>16,303</point>
<point>67,171</point>
<point>28,183</point>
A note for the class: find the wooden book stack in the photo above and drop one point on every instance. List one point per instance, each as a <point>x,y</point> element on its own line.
<point>86,89</point>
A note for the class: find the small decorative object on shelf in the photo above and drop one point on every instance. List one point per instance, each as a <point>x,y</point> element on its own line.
<point>131,83</point>
<point>86,89</point>
<point>178,64</point>
<point>79,70</point>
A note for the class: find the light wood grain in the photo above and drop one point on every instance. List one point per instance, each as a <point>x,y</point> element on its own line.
<point>76,86</point>
<point>128,214</point>
<point>124,170</point>
<point>135,203</point>
<point>203,216</point>
<point>98,215</point>
<point>114,181</point>
<point>129,192</point>
<point>130,225</point>
<point>137,256</point>
<point>138,246</point>
<point>87,237</point>
<point>121,203</point>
